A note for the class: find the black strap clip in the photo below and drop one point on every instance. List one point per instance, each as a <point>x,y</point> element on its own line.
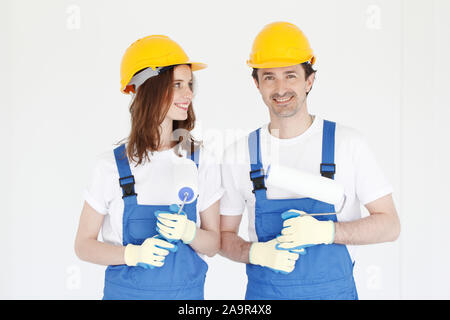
<point>127,188</point>
<point>258,180</point>
<point>328,170</point>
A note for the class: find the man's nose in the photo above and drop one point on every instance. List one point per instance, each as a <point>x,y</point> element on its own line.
<point>280,87</point>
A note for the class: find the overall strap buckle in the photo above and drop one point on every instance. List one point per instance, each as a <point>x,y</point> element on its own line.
<point>127,185</point>
<point>328,170</point>
<point>257,177</point>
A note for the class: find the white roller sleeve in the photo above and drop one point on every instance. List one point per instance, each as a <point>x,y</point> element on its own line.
<point>185,176</point>
<point>305,184</point>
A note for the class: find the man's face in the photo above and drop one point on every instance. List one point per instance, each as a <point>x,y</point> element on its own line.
<point>284,89</point>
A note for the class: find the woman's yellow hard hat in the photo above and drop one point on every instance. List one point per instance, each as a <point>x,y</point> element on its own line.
<point>154,52</point>
<point>280,44</point>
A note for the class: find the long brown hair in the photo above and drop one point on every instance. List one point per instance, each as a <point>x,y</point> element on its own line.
<point>148,110</point>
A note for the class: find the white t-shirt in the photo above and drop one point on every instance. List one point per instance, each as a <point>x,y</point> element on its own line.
<point>154,185</point>
<point>356,170</point>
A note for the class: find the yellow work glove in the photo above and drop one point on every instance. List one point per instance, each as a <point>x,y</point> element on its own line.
<point>304,230</point>
<point>151,253</point>
<point>267,255</point>
<point>174,226</point>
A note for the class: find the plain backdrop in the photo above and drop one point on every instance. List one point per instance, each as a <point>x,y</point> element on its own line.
<point>383,69</point>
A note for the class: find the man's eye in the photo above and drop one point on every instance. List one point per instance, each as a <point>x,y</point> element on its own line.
<point>291,76</point>
<point>268,78</point>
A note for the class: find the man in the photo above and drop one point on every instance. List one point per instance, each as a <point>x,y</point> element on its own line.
<point>278,265</point>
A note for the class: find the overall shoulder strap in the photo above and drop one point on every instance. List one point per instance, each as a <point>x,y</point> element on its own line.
<point>194,155</point>
<point>126,179</point>
<point>257,171</point>
<point>328,167</point>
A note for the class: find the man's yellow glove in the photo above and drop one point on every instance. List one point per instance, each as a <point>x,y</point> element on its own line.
<point>151,253</point>
<point>174,226</point>
<point>267,255</point>
<point>304,230</point>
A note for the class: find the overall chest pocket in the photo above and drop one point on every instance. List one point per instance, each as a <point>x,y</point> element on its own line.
<point>140,223</point>
<point>268,225</point>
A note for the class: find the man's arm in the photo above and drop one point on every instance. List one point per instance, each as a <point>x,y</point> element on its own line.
<point>232,246</point>
<point>382,225</point>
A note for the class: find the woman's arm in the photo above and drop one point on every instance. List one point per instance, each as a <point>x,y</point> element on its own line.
<point>88,248</point>
<point>207,237</point>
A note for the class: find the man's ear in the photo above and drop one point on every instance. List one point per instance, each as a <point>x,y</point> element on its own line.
<point>310,81</point>
<point>256,83</point>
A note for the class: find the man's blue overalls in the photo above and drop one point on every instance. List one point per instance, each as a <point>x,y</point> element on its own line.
<point>326,271</point>
<point>183,274</point>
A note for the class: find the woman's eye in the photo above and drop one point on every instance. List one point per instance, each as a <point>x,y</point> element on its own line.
<point>177,85</point>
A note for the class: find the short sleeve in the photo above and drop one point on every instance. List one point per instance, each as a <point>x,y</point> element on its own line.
<point>96,191</point>
<point>233,202</point>
<point>210,182</point>
<point>371,182</point>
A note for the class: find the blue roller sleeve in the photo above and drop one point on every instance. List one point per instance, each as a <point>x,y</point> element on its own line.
<point>186,192</point>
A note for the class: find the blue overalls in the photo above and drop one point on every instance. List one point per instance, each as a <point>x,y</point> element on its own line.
<point>183,274</point>
<point>326,271</point>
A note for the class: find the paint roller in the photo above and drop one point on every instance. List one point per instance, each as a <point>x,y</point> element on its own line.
<point>304,184</point>
<point>185,190</point>
<point>185,182</point>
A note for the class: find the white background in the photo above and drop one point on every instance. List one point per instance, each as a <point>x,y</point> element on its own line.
<point>383,69</point>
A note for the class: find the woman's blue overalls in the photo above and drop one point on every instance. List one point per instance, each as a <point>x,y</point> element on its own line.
<point>325,271</point>
<point>183,274</point>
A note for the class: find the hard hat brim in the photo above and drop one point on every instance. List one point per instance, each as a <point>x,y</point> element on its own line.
<point>279,64</point>
<point>197,65</point>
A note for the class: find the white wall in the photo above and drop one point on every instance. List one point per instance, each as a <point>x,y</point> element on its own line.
<point>383,70</point>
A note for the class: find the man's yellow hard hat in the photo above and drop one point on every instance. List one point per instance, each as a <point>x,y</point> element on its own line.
<point>154,51</point>
<point>280,44</point>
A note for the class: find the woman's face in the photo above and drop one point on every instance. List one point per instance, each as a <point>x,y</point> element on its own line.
<point>182,93</point>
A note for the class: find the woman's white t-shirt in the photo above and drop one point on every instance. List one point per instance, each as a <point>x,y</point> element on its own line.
<point>154,185</point>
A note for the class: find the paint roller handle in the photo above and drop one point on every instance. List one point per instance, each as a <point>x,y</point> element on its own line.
<point>292,214</point>
<point>287,215</point>
<point>149,266</point>
<point>296,249</point>
<point>158,236</point>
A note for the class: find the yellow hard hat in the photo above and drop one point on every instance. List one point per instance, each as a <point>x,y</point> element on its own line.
<point>280,44</point>
<point>154,51</point>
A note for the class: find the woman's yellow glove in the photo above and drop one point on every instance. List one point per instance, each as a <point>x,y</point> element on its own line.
<point>173,226</point>
<point>151,253</point>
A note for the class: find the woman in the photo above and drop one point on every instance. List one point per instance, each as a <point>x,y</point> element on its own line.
<point>152,252</point>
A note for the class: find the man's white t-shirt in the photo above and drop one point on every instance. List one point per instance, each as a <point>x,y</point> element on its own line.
<point>356,170</point>
<point>154,185</point>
